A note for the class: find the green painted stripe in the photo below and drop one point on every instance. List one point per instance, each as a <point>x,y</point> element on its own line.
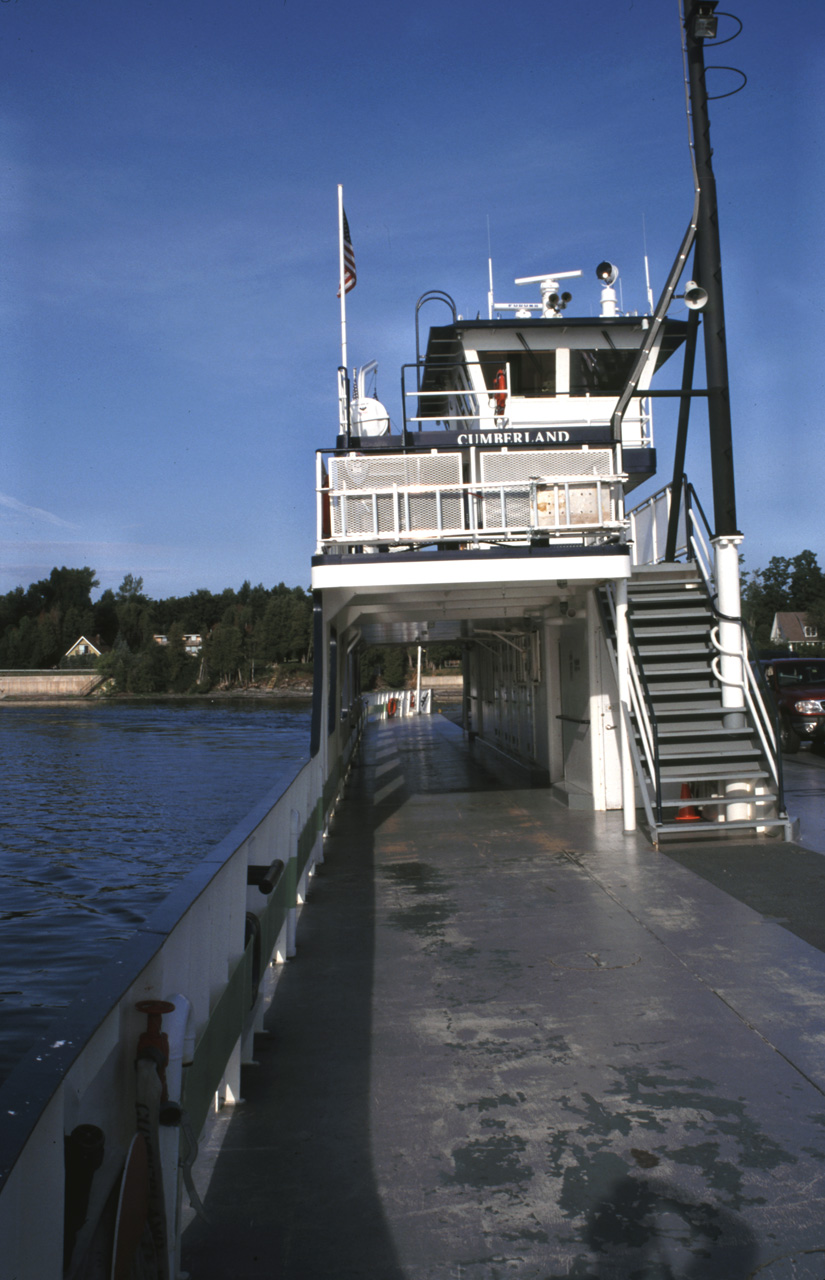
<point>273,917</point>
<point>220,1035</point>
<point>227,1019</point>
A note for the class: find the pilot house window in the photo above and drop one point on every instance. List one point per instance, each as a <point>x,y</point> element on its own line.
<point>600,373</point>
<point>532,373</point>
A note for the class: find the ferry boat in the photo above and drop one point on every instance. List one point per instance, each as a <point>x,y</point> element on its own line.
<point>500,516</point>
<point>605,665</point>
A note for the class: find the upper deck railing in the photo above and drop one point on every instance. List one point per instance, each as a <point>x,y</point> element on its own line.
<point>461,404</point>
<point>468,497</point>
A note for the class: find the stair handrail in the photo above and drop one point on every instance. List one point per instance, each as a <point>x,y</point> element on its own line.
<point>699,535</point>
<point>757,694</point>
<point>642,707</point>
<point>637,666</point>
<point>765,719</point>
<point>623,710</point>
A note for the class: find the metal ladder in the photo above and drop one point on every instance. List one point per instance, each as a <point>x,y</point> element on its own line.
<point>696,763</point>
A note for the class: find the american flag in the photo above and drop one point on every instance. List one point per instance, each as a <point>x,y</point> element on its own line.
<point>350,278</point>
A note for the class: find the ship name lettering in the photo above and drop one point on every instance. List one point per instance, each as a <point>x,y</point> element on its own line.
<point>531,436</point>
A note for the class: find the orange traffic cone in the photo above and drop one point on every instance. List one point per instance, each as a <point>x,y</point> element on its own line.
<point>688,813</point>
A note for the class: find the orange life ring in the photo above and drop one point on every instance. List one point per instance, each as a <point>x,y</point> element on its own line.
<point>500,384</point>
<point>392,707</point>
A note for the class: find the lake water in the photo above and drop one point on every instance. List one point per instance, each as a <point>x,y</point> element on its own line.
<point>105,807</point>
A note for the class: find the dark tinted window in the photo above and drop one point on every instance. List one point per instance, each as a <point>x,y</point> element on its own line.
<point>532,373</point>
<point>600,373</point>
<point>800,673</point>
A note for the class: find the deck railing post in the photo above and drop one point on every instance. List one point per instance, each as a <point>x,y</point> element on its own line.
<point>292,874</point>
<point>628,779</point>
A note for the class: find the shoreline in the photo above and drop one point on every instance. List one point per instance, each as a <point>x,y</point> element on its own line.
<point>253,694</point>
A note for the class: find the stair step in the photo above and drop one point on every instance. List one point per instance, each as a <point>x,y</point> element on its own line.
<point>718,829</point>
<point>653,650</point>
<point>644,631</point>
<point>675,600</point>
<point>661,592</point>
<point>691,705</point>
<point>766,797</point>
<point>702,707</point>
<point>688,684</point>
<point>710,772</point>
<point>707,732</point>
<point>671,752</point>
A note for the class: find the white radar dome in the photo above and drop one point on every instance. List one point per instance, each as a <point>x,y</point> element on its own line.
<point>369,418</point>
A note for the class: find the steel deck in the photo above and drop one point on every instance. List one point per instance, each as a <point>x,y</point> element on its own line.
<point>516,1042</point>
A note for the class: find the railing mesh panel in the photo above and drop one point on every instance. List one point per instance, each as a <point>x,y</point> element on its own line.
<point>548,464</point>
<point>555,506</point>
<point>410,509</point>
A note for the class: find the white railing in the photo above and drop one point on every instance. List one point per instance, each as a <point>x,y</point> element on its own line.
<point>471,511</point>
<point>487,419</point>
<point>749,687</point>
<point>648,525</point>
<point>496,409</point>
<point>200,953</point>
<point>638,709</point>
<point>392,703</point>
<point>648,529</point>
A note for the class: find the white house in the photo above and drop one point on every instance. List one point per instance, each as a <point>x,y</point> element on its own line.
<point>82,648</point>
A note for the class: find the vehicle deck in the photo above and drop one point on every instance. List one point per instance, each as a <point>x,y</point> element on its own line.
<point>517,1042</point>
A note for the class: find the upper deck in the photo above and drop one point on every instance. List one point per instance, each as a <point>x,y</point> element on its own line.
<point>508,436</point>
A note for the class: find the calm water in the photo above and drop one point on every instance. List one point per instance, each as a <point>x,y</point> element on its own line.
<point>104,808</point>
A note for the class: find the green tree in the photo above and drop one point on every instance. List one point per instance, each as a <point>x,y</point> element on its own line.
<point>149,671</point>
<point>130,591</point>
<point>223,650</point>
<point>182,669</point>
<point>116,665</point>
<point>394,666</point>
<point>105,623</point>
<point>807,582</point>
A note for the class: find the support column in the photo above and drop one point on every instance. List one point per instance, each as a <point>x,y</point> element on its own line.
<point>731,661</point>
<point>622,662</point>
<point>418,684</point>
<point>729,604</point>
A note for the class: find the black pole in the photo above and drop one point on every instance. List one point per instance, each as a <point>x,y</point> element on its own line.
<point>708,272</point>
<point>681,436</point>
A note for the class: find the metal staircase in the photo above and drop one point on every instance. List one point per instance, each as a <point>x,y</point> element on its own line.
<point>701,768</point>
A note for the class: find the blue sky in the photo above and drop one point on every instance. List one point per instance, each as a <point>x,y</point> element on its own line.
<point>169,244</point>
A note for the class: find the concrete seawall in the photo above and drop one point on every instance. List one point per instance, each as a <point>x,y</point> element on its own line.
<point>47,684</point>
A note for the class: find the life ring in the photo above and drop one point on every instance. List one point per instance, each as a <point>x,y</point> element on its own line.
<point>392,706</point>
<point>500,384</point>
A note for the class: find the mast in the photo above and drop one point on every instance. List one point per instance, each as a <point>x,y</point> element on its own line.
<point>700,23</point>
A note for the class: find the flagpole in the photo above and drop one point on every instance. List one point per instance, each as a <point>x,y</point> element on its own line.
<point>343,294</point>
<point>341,275</point>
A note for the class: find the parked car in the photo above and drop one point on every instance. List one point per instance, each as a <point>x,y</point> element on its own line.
<point>798,687</point>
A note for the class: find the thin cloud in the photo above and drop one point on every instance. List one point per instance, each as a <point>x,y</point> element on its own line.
<point>34,513</point>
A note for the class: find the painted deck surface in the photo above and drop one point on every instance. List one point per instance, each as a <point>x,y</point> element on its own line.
<point>516,1042</point>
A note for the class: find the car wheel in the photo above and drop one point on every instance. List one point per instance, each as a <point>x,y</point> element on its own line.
<point>788,739</point>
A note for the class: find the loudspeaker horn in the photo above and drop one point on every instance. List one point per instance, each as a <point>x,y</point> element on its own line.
<point>607,273</point>
<point>695,296</point>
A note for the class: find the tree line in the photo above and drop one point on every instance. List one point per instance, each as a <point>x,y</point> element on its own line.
<point>794,584</point>
<point>240,630</point>
<point>243,633</point>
